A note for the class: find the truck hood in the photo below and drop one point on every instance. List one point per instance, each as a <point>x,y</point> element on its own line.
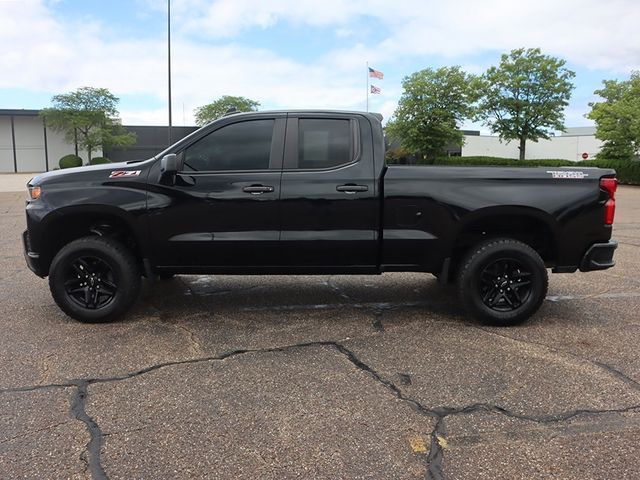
<point>101,171</point>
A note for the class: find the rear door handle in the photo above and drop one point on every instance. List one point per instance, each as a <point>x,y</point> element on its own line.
<point>257,189</point>
<point>352,188</point>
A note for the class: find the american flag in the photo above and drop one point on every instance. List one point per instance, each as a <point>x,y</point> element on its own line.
<point>375,90</point>
<point>375,73</point>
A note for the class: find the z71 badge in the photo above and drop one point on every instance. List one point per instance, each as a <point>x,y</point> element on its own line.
<point>124,173</point>
<point>567,174</point>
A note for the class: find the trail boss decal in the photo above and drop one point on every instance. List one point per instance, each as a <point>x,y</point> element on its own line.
<point>124,173</point>
<point>569,175</point>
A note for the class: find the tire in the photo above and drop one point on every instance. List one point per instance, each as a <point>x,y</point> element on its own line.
<point>94,279</point>
<point>502,282</point>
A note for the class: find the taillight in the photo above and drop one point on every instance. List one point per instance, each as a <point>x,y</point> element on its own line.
<point>609,185</point>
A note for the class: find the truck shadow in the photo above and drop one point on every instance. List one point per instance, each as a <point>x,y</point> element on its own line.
<point>246,295</point>
<point>332,299</point>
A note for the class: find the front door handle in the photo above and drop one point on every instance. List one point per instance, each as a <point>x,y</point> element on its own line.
<point>257,189</point>
<point>352,188</point>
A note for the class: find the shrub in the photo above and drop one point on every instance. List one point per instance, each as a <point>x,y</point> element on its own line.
<point>627,171</point>
<point>70,161</point>
<point>398,155</point>
<point>99,160</point>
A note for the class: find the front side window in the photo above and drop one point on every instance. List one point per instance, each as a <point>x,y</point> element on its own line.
<point>239,146</point>
<point>324,143</point>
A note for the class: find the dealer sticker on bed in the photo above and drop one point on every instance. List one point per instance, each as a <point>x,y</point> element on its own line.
<point>124,173</point>
<point>567,174</point>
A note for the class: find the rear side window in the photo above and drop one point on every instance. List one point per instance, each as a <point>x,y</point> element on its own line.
<point>324,143</point>
<point>239,146</point>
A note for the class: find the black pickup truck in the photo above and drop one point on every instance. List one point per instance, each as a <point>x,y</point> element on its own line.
<point>308,192</point>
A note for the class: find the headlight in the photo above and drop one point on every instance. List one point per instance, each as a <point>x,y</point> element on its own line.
<point>34,193</point>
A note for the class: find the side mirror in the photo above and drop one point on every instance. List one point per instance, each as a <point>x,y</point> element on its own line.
<point>168,169</point>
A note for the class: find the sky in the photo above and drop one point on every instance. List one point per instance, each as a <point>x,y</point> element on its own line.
<point>295,53</point>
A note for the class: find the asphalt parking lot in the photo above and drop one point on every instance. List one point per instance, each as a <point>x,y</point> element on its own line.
<point>321,377</point>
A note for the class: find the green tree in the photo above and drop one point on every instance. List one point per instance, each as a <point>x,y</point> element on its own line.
<point>89,117</point>
<point>216,109</point>
<point>431,109</point>
<point>618,118</point>
<point>525,96</point>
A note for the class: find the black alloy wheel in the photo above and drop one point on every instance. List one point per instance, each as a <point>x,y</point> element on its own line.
<point>90,282</point>
<point>502,281</point>
<point>94,279</point>
<point>505,285</point>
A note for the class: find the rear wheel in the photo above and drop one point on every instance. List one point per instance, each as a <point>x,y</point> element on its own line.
<point>503,282</point>
<point>94,279</point>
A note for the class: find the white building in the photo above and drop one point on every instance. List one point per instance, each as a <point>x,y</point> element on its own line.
<point>26,145</point>
<point>575,144</point>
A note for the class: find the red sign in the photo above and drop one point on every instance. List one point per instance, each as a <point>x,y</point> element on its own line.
<point>585,155</point>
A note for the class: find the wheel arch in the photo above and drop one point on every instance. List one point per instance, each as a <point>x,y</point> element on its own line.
<point>532,226</point>
<point>70,223</point>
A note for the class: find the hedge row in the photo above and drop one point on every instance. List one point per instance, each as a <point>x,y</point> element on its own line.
<point>502,162</point>
<point>99,160</point>
<point>627,171</point>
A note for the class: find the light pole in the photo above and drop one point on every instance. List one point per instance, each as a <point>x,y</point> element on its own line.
<point>169,61</point>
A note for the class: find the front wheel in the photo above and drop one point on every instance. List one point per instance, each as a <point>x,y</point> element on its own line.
<point>503,282</point>
<point>94,279</point>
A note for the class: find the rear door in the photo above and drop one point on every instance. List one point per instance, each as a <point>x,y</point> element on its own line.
<point>329,203</point>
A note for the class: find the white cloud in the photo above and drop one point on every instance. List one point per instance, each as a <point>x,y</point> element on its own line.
<point>45,54</point>
<point>228,18</point>
<point>590,33</point>
<point>54,57</point>
<point>158,116</point>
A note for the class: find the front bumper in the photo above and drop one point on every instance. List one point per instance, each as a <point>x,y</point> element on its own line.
<point>32,258</point>
<point>599,256</point>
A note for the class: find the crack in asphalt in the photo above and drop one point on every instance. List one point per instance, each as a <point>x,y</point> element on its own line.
<point>194,342</point>
<point>31,432</point>
<point>46,366</point>
<point>617,373</point>
<point>378,310</point>
<point>604,366</point>
<point>92,449</point>
<point>435,457</point>
<point>438,414</point>
<point>192,338</point>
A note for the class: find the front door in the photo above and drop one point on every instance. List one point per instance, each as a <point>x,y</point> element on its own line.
<point>223,210</point>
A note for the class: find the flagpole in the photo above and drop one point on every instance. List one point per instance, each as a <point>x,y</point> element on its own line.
<point>367,86</point>
<point>169,65</point>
